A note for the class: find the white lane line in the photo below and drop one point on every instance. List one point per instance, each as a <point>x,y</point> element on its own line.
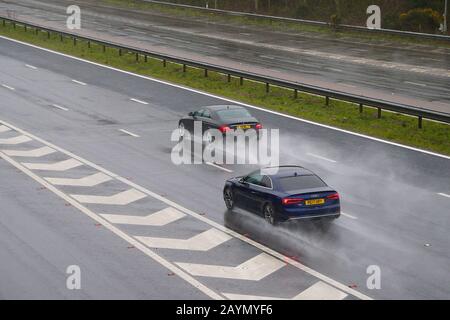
<point>349,216</point>
<point>4,129</point>
<point>30,66</point>
<point>8,87</point>
<point>231,100</point>
<point>57,166</point>
<point>335,70</point>
<point>204,241</point>
<point>347,85</point>
<point>89,181</point>
<point>318,291</point>
<point>15,140</point>
<point>136,244</point>
<point>157,219</point>
<point>320,157</point>
<point>120,199</point>
<point>415,83</point>
<point>79,82</point>
<point>444,195</point>
<point>59,107</point>
<point>138,101</point>
<point>175,205</point>
<point>36,153</point>
<point>218,167</point>
<point>129,133</point>
<point>254,269</point>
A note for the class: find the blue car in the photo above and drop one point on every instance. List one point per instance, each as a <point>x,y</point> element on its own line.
<point>282,194</point>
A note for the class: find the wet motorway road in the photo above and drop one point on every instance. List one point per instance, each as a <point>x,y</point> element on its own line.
<point>396,200</point>
<point>413,74</point>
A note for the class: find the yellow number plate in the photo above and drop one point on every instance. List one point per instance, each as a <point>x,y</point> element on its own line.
<point>314,202</point>
<point>244,127</point>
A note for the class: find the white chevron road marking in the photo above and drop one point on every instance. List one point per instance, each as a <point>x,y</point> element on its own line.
<point>89,181</point>
<point>157,219</point>
<point>36,153</point>
<point>318,291</point>
<point>4,128</point>
<point>202,242</point>
<point>120,199</point>
<point>57,166</point>
<point>15,140</point>
<point>254,269</point>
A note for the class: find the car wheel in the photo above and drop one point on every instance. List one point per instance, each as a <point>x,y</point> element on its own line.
<point>228,197</point>
<point>269,214</point>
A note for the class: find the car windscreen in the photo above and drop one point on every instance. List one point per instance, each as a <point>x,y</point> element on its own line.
<point>233,114</point>
<point>295,183</point>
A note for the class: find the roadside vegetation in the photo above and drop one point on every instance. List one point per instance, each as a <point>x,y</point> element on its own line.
<point>411,20</point>
<point>393,127</point>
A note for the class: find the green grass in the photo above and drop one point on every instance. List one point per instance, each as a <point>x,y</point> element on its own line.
<point>393,127</point>
<point>322,31</point>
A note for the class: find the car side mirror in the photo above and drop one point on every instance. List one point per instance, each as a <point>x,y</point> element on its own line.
<point>242,181</point>
<point>190,114</point>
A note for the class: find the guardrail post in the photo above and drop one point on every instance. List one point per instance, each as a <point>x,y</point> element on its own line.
<point>104,48</point>
<point>145,58</point>
<point>74,41</point>
<point>361,108</point>
<point>25,28</point>
<point>267,87</point>
<point>61,37</point>
<point>241,81</point>
<point>164,63</point>
<point>295,93</point>
<point>120,52</point>
<point>89,44</point>
<point>379,113</point>
<point>184,68</point>
<point>137,56</point>
<point>4,22</point>
<point>14,25</point>
<point>420,122</point>
<point>327,101</point>
<point>48,34</point>
<point>206,73</point>
<point>229,77</point>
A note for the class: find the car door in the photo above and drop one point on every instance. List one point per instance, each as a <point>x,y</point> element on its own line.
<point>260,192</point>
<point>250,191</point>
<point>195,116</point>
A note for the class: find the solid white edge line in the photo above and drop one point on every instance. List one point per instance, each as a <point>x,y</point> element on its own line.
<point>79,82</point>
<point>59,107</point>
<point>320,157</point>
<point>232,101</point>
<point>138,101</point>
<point>8,87</point>
<point>129,133</point>
<point>30,66</point>
<point>416,84</point>
<point>173,268</point>
<point>154,195</point>
<point>218,167</point>
<point>444,195</point>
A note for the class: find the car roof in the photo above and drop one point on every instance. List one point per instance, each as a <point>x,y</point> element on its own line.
<point>223,107</point>
<point>286,171</point>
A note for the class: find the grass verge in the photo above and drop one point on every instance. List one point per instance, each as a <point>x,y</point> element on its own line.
<point>393,127</point>
<point>363,36</point>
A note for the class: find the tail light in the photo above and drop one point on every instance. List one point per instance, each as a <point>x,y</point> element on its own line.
<point>224,129</point>
<point>290,201</point>
<point>334,196</point>
<point>258,126</point>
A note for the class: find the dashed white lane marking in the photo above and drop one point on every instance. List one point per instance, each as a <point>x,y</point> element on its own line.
<point>347,85</point>
<point>15,140</point>
<point>415,83</point>
<point>4,129</point>
<point>230,100</point>
<point>120,199</point>
<point>138,101</point>
<point>36,153</point>
<point>129,133</point>
<point>349,216</point>
<point>255,269</point>
<point>89,181</point>
<point>79,82</point>
<point>444,195</point>
<point>8,87</point>
<point>318,291</point>
<point>167,264</point>
<point>201,242</point>
<point>320,157</point>
<point>59,107</point>
<point>157,219</point>
<point>335,70</point>
<point>30,66</point>
<point>218,167</point>
<point>57,166</point>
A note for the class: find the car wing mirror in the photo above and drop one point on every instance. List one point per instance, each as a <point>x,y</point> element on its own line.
<point>191,114</point>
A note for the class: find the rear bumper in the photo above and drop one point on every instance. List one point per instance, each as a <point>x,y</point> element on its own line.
<point>333,211</point>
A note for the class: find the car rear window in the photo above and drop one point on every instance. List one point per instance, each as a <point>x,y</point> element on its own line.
<point>233,114</point>
<point>301,182</point>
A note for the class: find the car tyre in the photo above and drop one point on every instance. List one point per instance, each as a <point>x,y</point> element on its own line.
<point>228,198</point>
<point>270,214</point>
